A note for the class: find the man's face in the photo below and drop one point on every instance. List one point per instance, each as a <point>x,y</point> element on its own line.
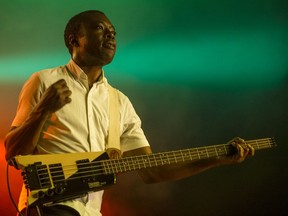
<point>96,40</point>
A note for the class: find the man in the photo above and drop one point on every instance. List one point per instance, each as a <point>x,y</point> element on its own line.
<point>66,110</point>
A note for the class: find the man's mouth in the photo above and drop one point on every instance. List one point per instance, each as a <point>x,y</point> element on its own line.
<point>109,45</point>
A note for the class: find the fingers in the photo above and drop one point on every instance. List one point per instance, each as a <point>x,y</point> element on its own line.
<point>251,150</point>
<point>65,92</point>
<point>243,149</point>
<point>56,96</point>
<point>62,92</point>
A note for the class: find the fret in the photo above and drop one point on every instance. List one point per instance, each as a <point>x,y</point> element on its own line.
<point>164,161</point>
<point>131,164</point>
<point>207,152</point>
<point>154,158</point>
<point>190,155</point>
<point>196,149</point>
<point>257,144</point>
<point>161,159</point>
<point>117,165</point>
<point>110,164</point>
<point>185,155</point>
<point>146,161</point>
<point>149,161</point>
<point>175,158</point>
<point>143,161</point>
<point>212,152</point>
<point>128,164</point>
<point>124,163</point>
<point>222,150</point>
<point>113,166</point>
<point>137,159</point>
<point>104,164</point>
<point>167,158</point>
<point>183,159</point>
<point>134,164</point>
<point>202,153</point>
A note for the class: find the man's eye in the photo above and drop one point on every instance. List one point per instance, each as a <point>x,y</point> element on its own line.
<point>99,27</point>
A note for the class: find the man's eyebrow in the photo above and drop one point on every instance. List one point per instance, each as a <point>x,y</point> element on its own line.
<point>105,23</point>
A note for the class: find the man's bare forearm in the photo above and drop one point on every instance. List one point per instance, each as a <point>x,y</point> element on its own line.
<point>23,140</point>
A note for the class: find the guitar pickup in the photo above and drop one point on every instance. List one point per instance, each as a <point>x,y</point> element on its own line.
<point>87,172</point>
<point>57,174</point>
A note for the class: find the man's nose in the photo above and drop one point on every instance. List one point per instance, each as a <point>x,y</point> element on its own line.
<point>110,35</point>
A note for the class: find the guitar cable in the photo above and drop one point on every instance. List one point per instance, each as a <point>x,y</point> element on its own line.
<point>9,191</point>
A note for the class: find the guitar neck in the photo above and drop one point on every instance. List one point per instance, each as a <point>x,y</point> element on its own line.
<point>165,158</point>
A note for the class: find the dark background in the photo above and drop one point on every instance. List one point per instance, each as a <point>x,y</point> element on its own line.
<point>197,72</point>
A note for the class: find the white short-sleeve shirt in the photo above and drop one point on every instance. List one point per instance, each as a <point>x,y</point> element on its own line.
<point>80,126</point>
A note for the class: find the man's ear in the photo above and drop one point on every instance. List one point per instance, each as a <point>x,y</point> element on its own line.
<point>73,40</point>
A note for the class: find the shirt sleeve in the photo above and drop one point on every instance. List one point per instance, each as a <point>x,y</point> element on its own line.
<point>28,98</point>
<point>132,136</point>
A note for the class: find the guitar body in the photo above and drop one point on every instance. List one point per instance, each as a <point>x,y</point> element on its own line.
<point>58,177</point>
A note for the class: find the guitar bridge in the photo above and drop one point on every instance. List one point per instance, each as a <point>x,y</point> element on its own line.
<point>36,176</point>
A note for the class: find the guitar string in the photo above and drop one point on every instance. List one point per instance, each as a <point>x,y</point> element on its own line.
<point>97,166</point>
<point>201,153</point>
<point>143,160</point>
<point>162,160</point>
<point>84,174</point>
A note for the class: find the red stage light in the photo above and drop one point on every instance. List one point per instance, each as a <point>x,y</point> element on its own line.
<point>7,208</point>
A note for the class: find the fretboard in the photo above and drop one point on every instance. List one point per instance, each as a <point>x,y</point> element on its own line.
<point>158,159</point>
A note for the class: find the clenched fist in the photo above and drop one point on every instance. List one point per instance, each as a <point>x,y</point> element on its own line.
<point>54,98</point>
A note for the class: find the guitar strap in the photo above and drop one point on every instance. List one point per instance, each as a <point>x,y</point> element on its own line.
<point>113,144</point>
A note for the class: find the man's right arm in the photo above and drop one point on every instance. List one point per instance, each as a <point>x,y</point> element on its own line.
<point>23,140</point>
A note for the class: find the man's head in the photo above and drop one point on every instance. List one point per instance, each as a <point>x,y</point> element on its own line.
<point>90,38</point>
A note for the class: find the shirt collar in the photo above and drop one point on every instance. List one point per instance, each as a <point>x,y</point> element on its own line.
<point>79,74</point>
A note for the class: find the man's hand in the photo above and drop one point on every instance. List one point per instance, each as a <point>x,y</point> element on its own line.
<point>243,151</point>
<point>54,98</point>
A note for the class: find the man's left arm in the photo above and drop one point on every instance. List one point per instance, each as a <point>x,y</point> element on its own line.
<point>185,169</point>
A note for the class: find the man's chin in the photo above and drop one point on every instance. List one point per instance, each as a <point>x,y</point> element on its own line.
<point>108,59</point>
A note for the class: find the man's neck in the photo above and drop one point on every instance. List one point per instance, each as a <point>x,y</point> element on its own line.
<point>93,73</point>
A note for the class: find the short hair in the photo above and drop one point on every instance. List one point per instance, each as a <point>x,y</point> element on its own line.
<point>74,24</point>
